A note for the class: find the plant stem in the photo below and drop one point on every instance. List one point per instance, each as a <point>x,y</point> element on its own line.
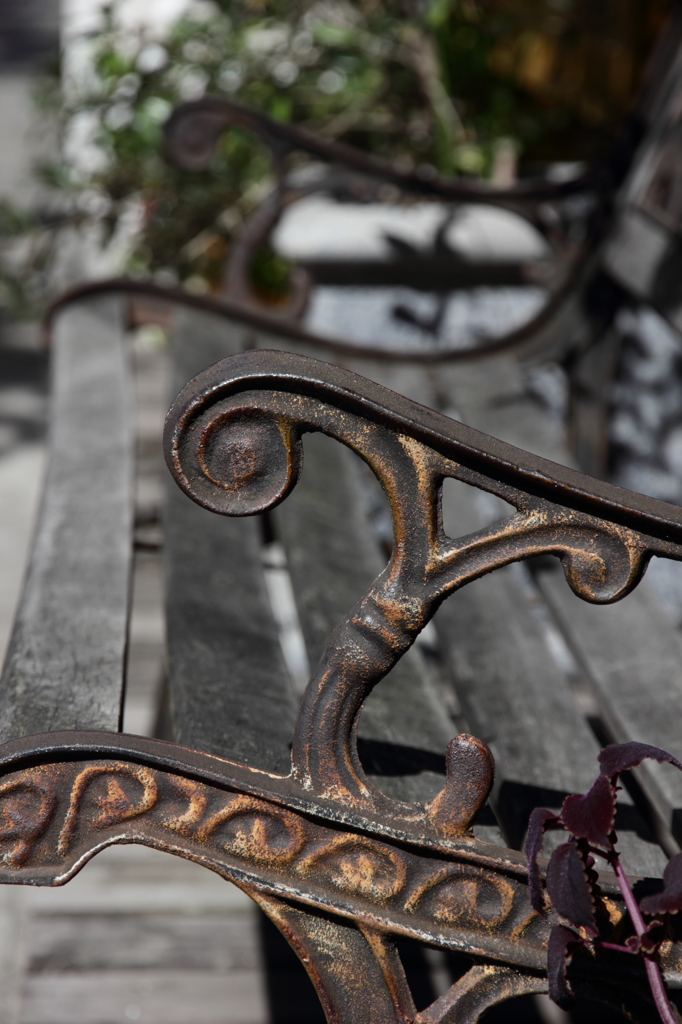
<point>616,946</point>
<point>653,971</point>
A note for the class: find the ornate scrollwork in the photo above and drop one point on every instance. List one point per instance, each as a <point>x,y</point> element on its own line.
<point>470,899</point>
<point>263,845</point>
<point>24,816</point>
<point>251,411</point>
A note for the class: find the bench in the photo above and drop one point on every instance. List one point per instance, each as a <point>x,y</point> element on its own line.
<point>351,853</point>
<point>361,847</point>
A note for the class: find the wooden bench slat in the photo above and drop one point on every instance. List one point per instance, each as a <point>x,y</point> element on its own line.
<point>330,555</point>
<point>333,558</point>
<point>517,700</point>
<point>542,733</point>
<point>635,627</point>
<point>65,664</point>
<point>649,649</point>
<point>632,656</point>
<point>514,694</point>
<point>230,691</point>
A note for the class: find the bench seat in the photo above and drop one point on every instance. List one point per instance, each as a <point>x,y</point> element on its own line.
<point>490,668</point>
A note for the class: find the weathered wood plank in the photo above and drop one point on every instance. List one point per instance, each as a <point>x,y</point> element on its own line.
<point>230,692</point>
<point>166,941</point>
<point>131,880</point>
<point>13,950</point>
<point>518,701</point>
<point>65,664</point>
<point>137,909</point>
<point>333,558</point>
<point>331,555</point>
<point>624,650</point>
<point>493,397</point>
<point>632,657</point>
<point>512,688</point>
<point>155,997</point>
<point>21,473</point>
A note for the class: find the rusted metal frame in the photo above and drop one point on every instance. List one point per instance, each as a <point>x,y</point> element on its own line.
<point>194,127</point>
<point>256,406</point>
<point>261,319</point>
<point>83,792</point>
<point>192,132</point>
<point>322,840</point>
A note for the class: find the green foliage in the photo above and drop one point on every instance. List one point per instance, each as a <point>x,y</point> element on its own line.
<point>365,72</point>
<point>556,75</point>
<point>434,82</point>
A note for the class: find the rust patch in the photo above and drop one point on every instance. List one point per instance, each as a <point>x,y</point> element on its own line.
<point>115,804</point>
<point>359,866</point>
<point>26,807</point>
<point>256,830</point>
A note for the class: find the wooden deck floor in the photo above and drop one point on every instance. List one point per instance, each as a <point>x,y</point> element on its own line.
<point>138,935</point>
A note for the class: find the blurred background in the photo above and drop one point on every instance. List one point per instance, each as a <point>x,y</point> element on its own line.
<point>493,89</point>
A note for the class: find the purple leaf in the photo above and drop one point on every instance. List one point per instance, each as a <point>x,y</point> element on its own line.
<point>569,889</point>
<point>588,861</point>
<point>591,816</point>
<point>648,943</point>
<point>618,757</point>
<point>558,952</point>
<point>669,900</point>
<point>539,821</point>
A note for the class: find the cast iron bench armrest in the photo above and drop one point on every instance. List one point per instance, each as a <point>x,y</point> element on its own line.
<point>494,636</point>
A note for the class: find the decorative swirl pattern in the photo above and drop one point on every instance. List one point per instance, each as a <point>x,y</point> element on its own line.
<point>115,804</point>
<point>233,443</point>
<point>256,830</point>
<point>24,816</point>
<point>239,462</point>
<point>267,848</point>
